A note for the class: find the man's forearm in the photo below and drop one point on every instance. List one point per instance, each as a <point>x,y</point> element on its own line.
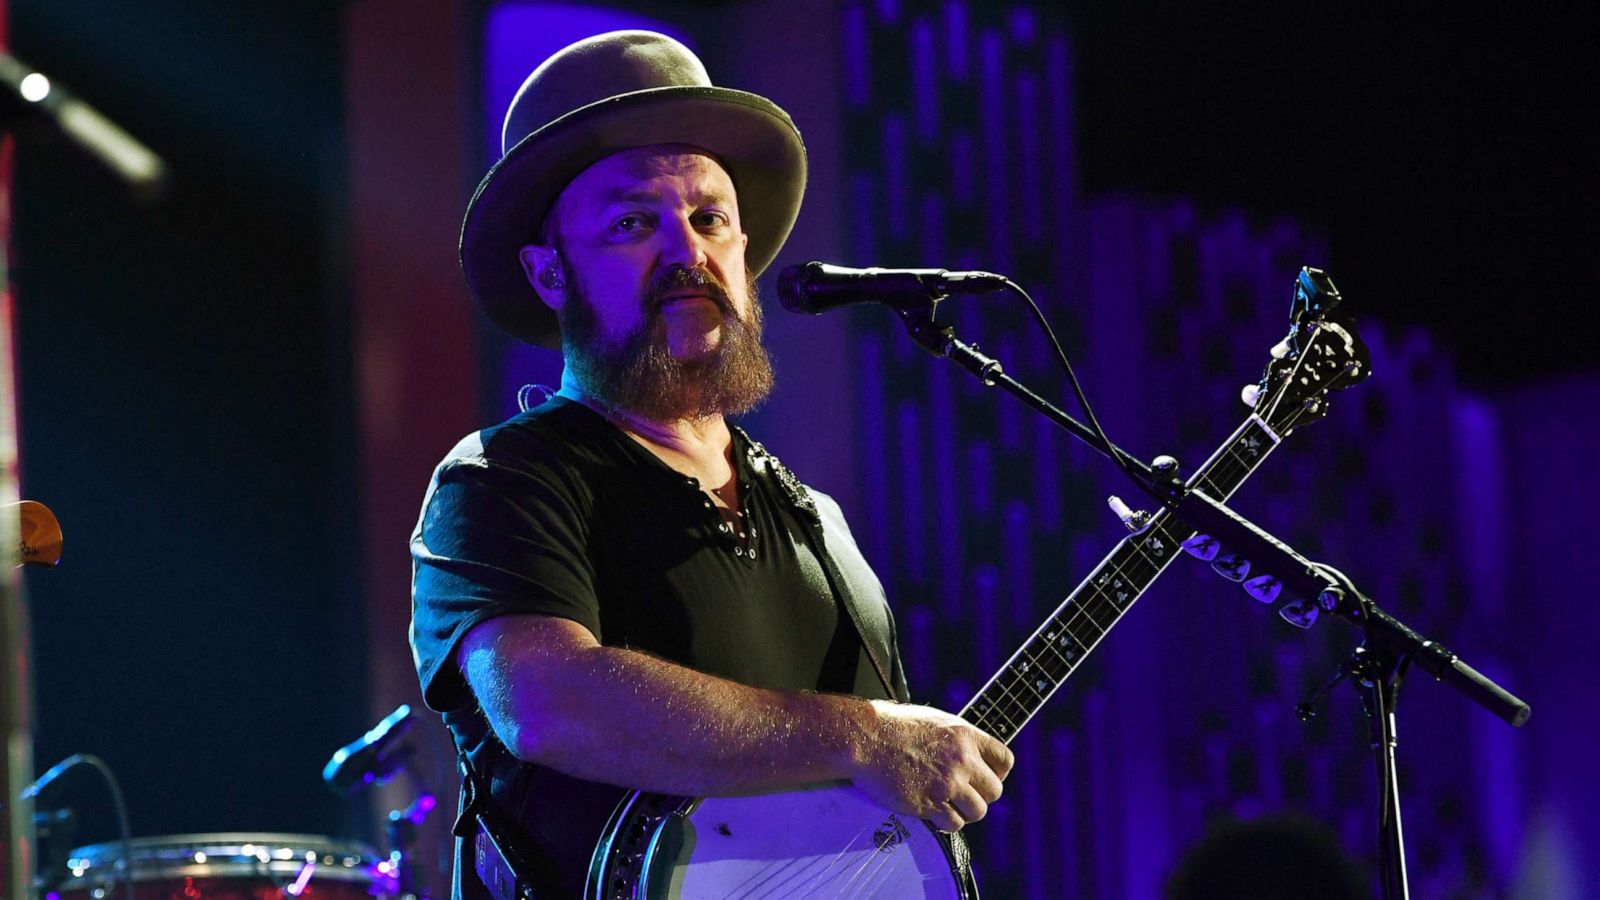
<point>654,725</point>
<point>623,717</point>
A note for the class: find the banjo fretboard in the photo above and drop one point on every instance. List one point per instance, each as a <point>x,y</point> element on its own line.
<point>1021,687</point>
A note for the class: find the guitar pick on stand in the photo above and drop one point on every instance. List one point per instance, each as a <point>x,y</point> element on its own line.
<point>1298,612</point>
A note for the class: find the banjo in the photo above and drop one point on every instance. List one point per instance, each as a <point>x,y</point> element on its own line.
<point>830,841</point>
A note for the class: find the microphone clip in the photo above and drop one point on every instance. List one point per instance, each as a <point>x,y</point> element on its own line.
<point>939,339</point>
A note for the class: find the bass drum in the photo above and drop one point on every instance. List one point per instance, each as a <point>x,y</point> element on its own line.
<point>241,866</point>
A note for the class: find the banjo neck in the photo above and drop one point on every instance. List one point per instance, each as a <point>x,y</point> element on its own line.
<point>1319,355</point>
<point>1027,680</point>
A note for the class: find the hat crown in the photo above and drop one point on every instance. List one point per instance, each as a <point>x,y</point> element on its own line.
<point>599,68</point>
<point>604,95</point>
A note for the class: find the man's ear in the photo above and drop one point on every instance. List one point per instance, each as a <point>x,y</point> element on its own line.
<point>545,272</point>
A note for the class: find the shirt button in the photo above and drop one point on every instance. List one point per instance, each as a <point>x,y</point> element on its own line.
<point>738,551</point>
<point>752,552</point>
<point>723,528</point>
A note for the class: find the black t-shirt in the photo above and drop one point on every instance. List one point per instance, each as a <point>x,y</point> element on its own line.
<point>558,512</point>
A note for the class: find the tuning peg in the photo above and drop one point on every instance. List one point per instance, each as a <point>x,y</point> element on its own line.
<point>1135,519</point>
<point>1232,566</point>
<point>1299,612</point>
<point>1264,588</point>
<point>1280,350</point>
<point>1203,546</point>
<point>1250,394</point>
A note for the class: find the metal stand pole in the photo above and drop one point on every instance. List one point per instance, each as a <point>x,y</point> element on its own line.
<point>401,832</point>
<point>16,682</point>
<point>1378,678</point>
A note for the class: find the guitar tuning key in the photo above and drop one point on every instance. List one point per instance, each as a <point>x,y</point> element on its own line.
<point>1280,350</point>
<point>1251,394</point>
<point>1203,547</point>
<point>1300,613</point>
<point>1232,566</point>
<point>1264,588</point>
<point>1134,519</point>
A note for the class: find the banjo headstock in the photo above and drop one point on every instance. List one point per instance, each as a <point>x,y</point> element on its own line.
<point>1321,353</point>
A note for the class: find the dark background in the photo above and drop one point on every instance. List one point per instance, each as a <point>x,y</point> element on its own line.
<point>186,412</point>
<point>186,374</point>
<point>1447,151</point>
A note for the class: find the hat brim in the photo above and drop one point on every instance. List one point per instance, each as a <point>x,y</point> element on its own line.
<point>752,137</point>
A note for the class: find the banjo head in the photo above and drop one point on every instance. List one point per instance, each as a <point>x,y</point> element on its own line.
<point>822,842</point>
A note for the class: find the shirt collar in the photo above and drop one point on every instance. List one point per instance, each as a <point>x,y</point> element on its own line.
<point>763,464</point>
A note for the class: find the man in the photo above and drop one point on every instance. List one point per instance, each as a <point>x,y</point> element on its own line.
<point>617,589</point>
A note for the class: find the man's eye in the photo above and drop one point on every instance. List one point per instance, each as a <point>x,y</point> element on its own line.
<point>628,224</point>
<point>710,219</point>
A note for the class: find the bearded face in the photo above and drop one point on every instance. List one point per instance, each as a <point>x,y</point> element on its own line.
<point>637,372</point>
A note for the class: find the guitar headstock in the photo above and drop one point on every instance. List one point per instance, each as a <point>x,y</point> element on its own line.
<point>1321,353</point>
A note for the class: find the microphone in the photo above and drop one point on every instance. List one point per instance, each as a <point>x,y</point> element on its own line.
<point>817,287</point>
<point>373,758</point>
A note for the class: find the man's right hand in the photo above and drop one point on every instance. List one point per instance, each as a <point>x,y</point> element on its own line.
<point>925,762</point>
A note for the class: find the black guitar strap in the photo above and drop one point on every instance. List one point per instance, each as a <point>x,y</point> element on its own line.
<point>875,630</point>
<point>509,863</point>
<point>855,589</point>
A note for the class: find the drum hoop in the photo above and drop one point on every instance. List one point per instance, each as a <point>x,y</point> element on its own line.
<point>225,856</point>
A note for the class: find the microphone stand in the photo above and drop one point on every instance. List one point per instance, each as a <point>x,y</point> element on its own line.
<point>1389,646</point>
<point>400,832</point>
<point>377,758</point>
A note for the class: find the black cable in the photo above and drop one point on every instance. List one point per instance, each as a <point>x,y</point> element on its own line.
<point>1117,456</point>
<point>117,801</point>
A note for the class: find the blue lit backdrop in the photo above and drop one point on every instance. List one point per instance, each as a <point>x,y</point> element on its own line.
<point>958,149</point>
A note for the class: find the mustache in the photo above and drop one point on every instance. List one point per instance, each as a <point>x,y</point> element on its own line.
<point>677,278</point>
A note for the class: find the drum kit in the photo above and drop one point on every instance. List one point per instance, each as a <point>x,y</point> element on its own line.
<point>261,866</point>
<point>228,865</point>
<point>255,866</point>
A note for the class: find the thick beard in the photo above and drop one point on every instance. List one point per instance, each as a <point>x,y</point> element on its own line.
<point>639,375</point>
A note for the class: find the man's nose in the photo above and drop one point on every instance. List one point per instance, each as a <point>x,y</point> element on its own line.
<point>682,244</point>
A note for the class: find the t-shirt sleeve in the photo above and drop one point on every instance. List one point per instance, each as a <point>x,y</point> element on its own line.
<point>495,537</point>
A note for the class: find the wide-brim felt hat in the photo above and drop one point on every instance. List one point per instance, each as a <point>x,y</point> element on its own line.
<point>600,96</point>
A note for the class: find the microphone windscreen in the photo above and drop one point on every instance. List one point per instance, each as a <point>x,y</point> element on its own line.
<point>791,288</point>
